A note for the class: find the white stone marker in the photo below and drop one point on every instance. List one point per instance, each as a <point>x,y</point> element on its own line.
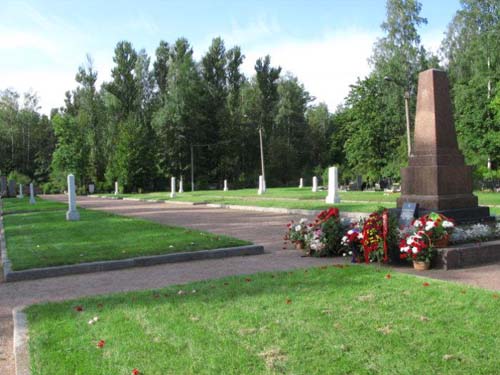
<point>333,186</point>
<point>91,188</point>
<point>72,214</point>
<point>116,187</point>
<point>264,189</point>
<point>181,186</point>
<point>32,194</point>
<point>225,185</point>
<point>172,187</point>
<point>315,184</point>
<point>261,186</point>
<point>301,183</point>
<point>21,195</point>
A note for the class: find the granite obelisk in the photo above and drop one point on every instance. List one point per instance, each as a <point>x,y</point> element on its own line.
<point>436,177</point>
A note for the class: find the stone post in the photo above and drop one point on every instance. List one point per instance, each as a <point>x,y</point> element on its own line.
<point>4,192</point>
<point>181,187</point>
<point>301,183</point>
<point>116,188</point>
<point>315,184</point>
<point>172,187</point>
<point>333,185</point>
<point>225,185</point>
<point>12,188</point>
<point>91,188</point>
<point>32,194</point>
<point>72,214</point>
<point>21,195</point>
<point>261,186</point>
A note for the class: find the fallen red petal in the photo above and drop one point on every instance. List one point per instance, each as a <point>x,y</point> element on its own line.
<point>388,276</point>
<point>135,372</point>
<point>100,344</point>
<point>426,284</point>
<point>79,308</point>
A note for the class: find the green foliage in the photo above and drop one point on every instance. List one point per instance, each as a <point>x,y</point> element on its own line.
<point>19,178</point>
<point>472,50</point>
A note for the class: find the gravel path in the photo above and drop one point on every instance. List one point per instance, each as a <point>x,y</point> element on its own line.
<point>262,228</point>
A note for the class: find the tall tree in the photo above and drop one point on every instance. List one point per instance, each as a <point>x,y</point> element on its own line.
<point>472,52</point>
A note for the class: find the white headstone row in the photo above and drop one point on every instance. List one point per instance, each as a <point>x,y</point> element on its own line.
<point>333,186</point>
<point>72,214</point>
<point>262,185</point>
<point>315,184</point>
<point>32,194</point>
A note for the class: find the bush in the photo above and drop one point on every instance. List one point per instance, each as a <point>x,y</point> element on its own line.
<point>19,178</point>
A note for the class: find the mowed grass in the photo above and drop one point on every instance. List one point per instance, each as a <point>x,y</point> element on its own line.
<point>45,238</point>
<point>328,320</point>
<point>293,198</point>
<point>13,205</point>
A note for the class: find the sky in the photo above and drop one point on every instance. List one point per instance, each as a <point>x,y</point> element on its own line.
<point>325,43</point>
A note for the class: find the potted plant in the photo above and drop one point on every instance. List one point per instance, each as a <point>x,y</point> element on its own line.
<point>326,233</point>
<point>297,233</point>
<point>437,227</point>
<point>418,248</point>
<point>352,243</point>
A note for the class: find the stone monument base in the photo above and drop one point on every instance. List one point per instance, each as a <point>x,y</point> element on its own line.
<point>459,215</point>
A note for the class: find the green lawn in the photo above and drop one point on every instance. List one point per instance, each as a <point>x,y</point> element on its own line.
<point>11,205</point>
<point>279,197</point>
<point>329,320</point>
<point>45,238</point>
<point>351,201</point>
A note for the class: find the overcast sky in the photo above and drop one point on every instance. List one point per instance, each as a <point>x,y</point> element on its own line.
<point>325,43</point>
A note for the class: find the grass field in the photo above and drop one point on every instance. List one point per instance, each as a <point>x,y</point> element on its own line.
<point>45,238</point>
<point>12,205</point>
<point>328,320</point>
<point>351,201</point>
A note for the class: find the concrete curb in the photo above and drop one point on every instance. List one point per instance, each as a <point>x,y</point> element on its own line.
<point>20,348</point>
<point>110,265</point>
<point>6,266</point>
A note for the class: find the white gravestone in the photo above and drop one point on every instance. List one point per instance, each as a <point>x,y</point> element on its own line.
<point>301,183</point>
<point>181,186</point>
<point>315,184</point>
<point>225,185</point>
<point>32,194</point>
<point>333,186</point>
<point>116,187</point>
<point>261,186</point>
<point>72,214</point>
<point>21,195</point>
<point>91,188</point>
<point>172,187</point>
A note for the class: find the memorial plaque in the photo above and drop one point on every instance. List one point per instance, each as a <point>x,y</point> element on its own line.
<point>408,213</point>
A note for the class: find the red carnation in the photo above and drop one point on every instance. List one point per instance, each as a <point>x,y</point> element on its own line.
<point>100,343</point>
<point>426,284</point>
<point>79,308</point>
<point>135,372</point>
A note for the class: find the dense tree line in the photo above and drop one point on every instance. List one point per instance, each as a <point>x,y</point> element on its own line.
<point>160,113</point>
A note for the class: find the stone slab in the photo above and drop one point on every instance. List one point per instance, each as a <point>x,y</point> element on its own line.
<point>20,349</point>
<point>39,273</point>
<point>468,255</point>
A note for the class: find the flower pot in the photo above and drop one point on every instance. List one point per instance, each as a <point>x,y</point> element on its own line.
<point>420,265</point>
<point>442,242</point>
<point>299,245</point>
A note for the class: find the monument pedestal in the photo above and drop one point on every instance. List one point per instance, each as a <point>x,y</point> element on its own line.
<point>437,178</point>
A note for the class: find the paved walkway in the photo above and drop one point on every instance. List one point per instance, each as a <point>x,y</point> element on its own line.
<point>262,228</point>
